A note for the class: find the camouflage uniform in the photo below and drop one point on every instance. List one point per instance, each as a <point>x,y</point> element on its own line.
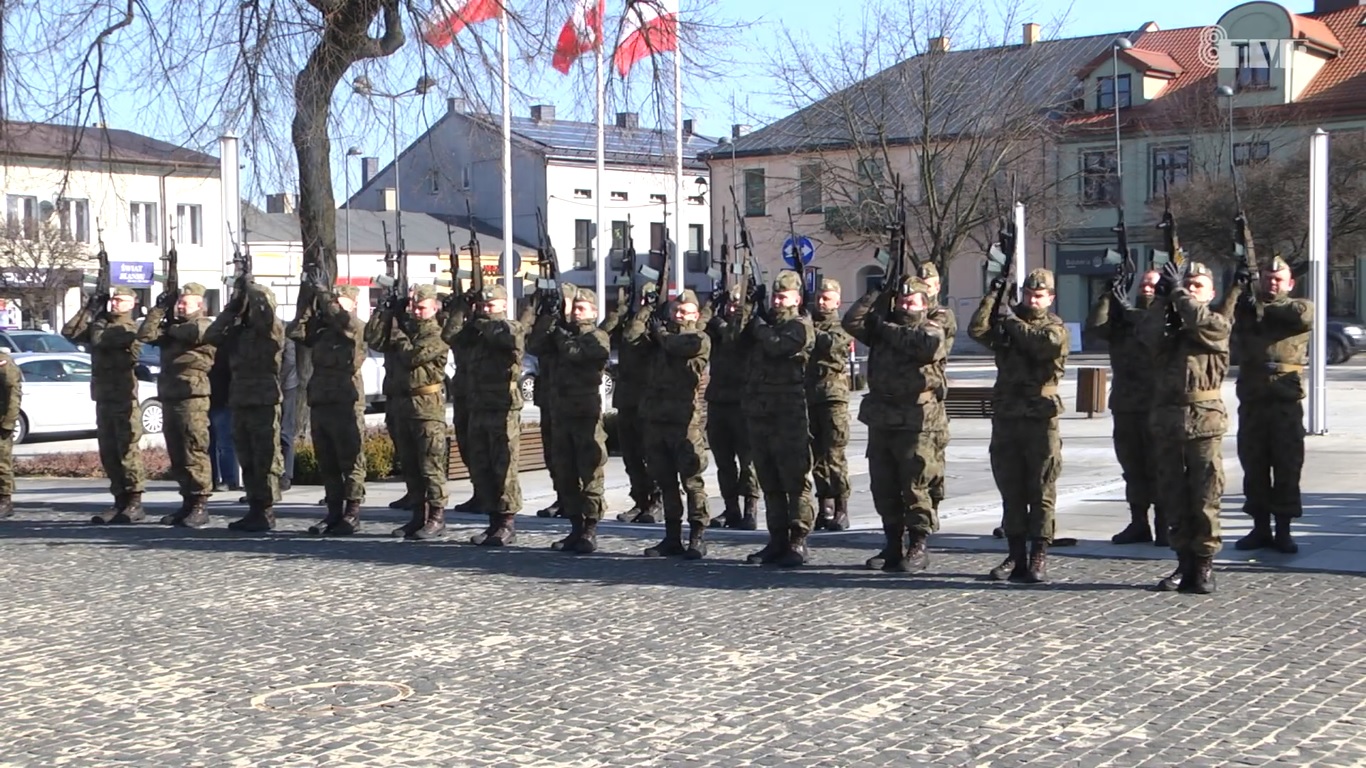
<point>580,352</point>
<point>1130,401</point>
<point>491,348</point>
<point>11,392</point>
<point>1271,335</point>
<point>336,400</point>
<point>906,421</point>
<point>727,430</point>
<point>1189,421</point>
<point>118,416</point>
<point>675,447</point>
<point>946,319</point>
<point>543,398</point>
<point>779,429</point>
<point>1026,447</point>
<point>459,396</point>
<point>632,364</point>
<point>417,377</point>
<point>827,398</point>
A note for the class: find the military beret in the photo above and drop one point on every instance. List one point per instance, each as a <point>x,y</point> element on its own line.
<point>495,291</point>
<point>1039,279</point>
<point>349,291</point>
<point>586,295</point>
<point>123,290</point>
<point>787,280</point>
<point>688,296</point>
<point>423,292</point>
<point>927,271</point>
<point>830,284</point>
<point>193,289</point>
<point>1198,269</point>
<point>1276,264</point>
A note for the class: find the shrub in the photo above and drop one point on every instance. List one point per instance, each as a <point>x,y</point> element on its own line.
<point>306,470</point>
<point>86,464</point>
<point>379,459</point>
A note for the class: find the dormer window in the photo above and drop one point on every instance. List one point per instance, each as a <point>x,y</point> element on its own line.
<point>1105,93</point>
<point>1254,67</point>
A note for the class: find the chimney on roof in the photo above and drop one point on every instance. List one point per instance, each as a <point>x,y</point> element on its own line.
<point>388,199</point>
<point>282,202</point>
<point>456,106</point>
<point>687,127</point>
<point>737,130</point>
<point>543,113</point>
<point>1031,33</point>
<point>369,166</point>
<point>939,45</point>
<point>629,120</point>
<point>1323,6</point>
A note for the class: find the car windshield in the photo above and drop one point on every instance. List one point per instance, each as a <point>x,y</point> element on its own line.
<point>42,342</point>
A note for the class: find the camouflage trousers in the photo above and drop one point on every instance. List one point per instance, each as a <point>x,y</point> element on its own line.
<point>941,449</point>
<point>728,436</point>
<point>676,454</point>
<point>1026,459</point>
<point>256,439</point>
<point>633,455</point>
<point>901,463</point>
<point>7,462</point>
<point>1271,450</point>
<point>1190,480</point>
<point>829,437</point>
<point>547,428</point>
<point>337,430</point>
<point>118,429</point>
<point>580,454</point>
<point>420,444</point>
<point>779,439</point>
<point>185,427</point>
<point>494,438</point>
<point>391,426</point>
<point>1135,449</point>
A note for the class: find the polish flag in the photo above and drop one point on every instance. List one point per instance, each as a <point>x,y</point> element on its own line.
<point>581,33</point>
<point>448,17</point>
<point>650,26</point>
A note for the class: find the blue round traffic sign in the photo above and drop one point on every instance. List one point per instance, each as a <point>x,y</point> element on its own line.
<point>803,247</point>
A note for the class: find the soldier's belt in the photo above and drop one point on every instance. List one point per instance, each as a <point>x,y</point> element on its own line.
<point>1202,396</point>
<point>1284,367</point>
<point>430,389</point>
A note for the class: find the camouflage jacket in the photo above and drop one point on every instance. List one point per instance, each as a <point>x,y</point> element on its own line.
<point>1030,360</point>
<point>337,340</point>
<point>419,356</point>
<point>186,354</point>
<point>827,371</point>
<point>451,324</point>
<point>114,348</point>
<point>677,361</point>
<point>490,351</point>
<point>730,358</point>
<point>258,344</point>
<point>1272,341</point>
<point>776,374</point>
<point>374,338</point>
<point>580,352</point>
<point>905,368</point>
<point>1188,367</point>
<point>633,362</point>
<point>1130,360</point>
<point>11,393</point>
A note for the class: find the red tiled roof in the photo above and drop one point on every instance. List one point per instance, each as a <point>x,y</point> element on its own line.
<point>1153,61</point>
<point>1312,30</point>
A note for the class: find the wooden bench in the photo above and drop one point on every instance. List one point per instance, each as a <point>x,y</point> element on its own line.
<point>968,402</point>
<point>530,456</point>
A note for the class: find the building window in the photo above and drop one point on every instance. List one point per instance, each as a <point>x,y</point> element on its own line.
<point>1105,93</point>
<point>1254,74</point>
<point>74,219</point>
<point>698,257</point>
<point>433,182</point>
<point>583,244</point>
<point>620,197</point>
<point>756,194</point>
<point>583,194</point>
<point>657,198</point>
<point>1099,186</point>
<point>872,174</point>
<point>1174,163</point>
<point>870,278</point>
<point>1251,152</point>
<point>697,200</point>
<point>618,249</point>
<point>142,222</point>
<point>189,224</point>
<point>465,177</point>
<point>23,216</point>
<point>657,240</point>
<point>809,186</point>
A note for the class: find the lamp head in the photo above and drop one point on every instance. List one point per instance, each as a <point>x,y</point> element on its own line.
<point>362,85</point>
<point>1225,91</point>
<point>1123,44</point>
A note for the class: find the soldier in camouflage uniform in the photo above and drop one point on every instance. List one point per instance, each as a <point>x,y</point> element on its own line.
<point>258,341</point>
<point>779,429</point>
<point>947,320</point>
<point>112,334</point>
<point>459,395</point>
<point>727,430</point>
<point>183,389</point>
<point>412,339</point>
<point>544,395</point>
<point>490,346</point>
<point>1114,320</point>
<point>11,392</point>
<point>326,323</point>
<point>905,418</point>
<point>1189,343</point>
<point>675,447</point>
<point>580,351</point>
<point>1030,344</point>
<point>1271,332</point>
<point>827,397</point>
<point>632,365</point>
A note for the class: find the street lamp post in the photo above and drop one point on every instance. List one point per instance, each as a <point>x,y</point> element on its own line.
<point>1121,44</point>
<point>1226,91</point>
<point>363,86</point>
<point>350,153</point>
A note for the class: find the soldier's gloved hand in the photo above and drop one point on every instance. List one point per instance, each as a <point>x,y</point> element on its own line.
<point>1242,275</point>
<point>998,283</point>
<point>166,299</point>
<point>1170,278</point>
<point>655,325</point>
<point>1120,296</point>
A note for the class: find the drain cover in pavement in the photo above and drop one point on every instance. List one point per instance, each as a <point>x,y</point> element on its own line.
<point>329,698</point>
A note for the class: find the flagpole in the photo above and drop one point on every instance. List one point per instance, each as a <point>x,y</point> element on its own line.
<point>600,254</point>
<point>507,158</point>
<point>679,231</point>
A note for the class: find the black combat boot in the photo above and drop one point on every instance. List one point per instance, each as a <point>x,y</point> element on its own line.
<point>260,518</point>
<point>840,520</point>
<point>551,511</point>
<point>772,551</point>
<point>1171,581</point>
<point>730,517</point>
<point>406,502</point>
<point>1161,535</point>
<point>6,507</point>
<point>180,514</point>
<point>825,512</point>
<point>697,544</point>
<point>570,542</point>
<point>893,549</point>
<point>502,531</point>
<point>672,543</point>
<point>1260,537</point>
<point>588,540</point>
<point>132,511</point>
<point>1016,565</point>
<point>350,520</point>
<point>1038,563</point>
<point>415,522</point>
<point>107,516</point>
<point>434,522</point>
<point>468,507</point>
<point>333,516</point>
<point>1283,541</point>
<point>645,514</point>
<point>750,520</point>
<point>917,556</point>
<point>1137,531</point>
<point>198,514</point>
<point>1199,577</point>
<point>796,553</point>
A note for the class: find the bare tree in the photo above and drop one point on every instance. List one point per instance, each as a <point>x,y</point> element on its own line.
<point>38,265</point>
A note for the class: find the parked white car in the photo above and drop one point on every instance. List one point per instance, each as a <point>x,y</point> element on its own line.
<point>57,396</point>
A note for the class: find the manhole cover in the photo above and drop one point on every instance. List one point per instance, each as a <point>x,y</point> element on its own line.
<point>327,698</point>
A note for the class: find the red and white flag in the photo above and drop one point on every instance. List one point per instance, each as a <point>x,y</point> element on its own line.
<point>581,34</point>
<point>448,17</point>
<point>650,26</point>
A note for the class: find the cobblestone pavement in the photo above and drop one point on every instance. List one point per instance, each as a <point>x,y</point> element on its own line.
<point>147,646</point>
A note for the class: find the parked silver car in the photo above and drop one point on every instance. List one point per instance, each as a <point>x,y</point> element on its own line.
<point>57,396</point>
